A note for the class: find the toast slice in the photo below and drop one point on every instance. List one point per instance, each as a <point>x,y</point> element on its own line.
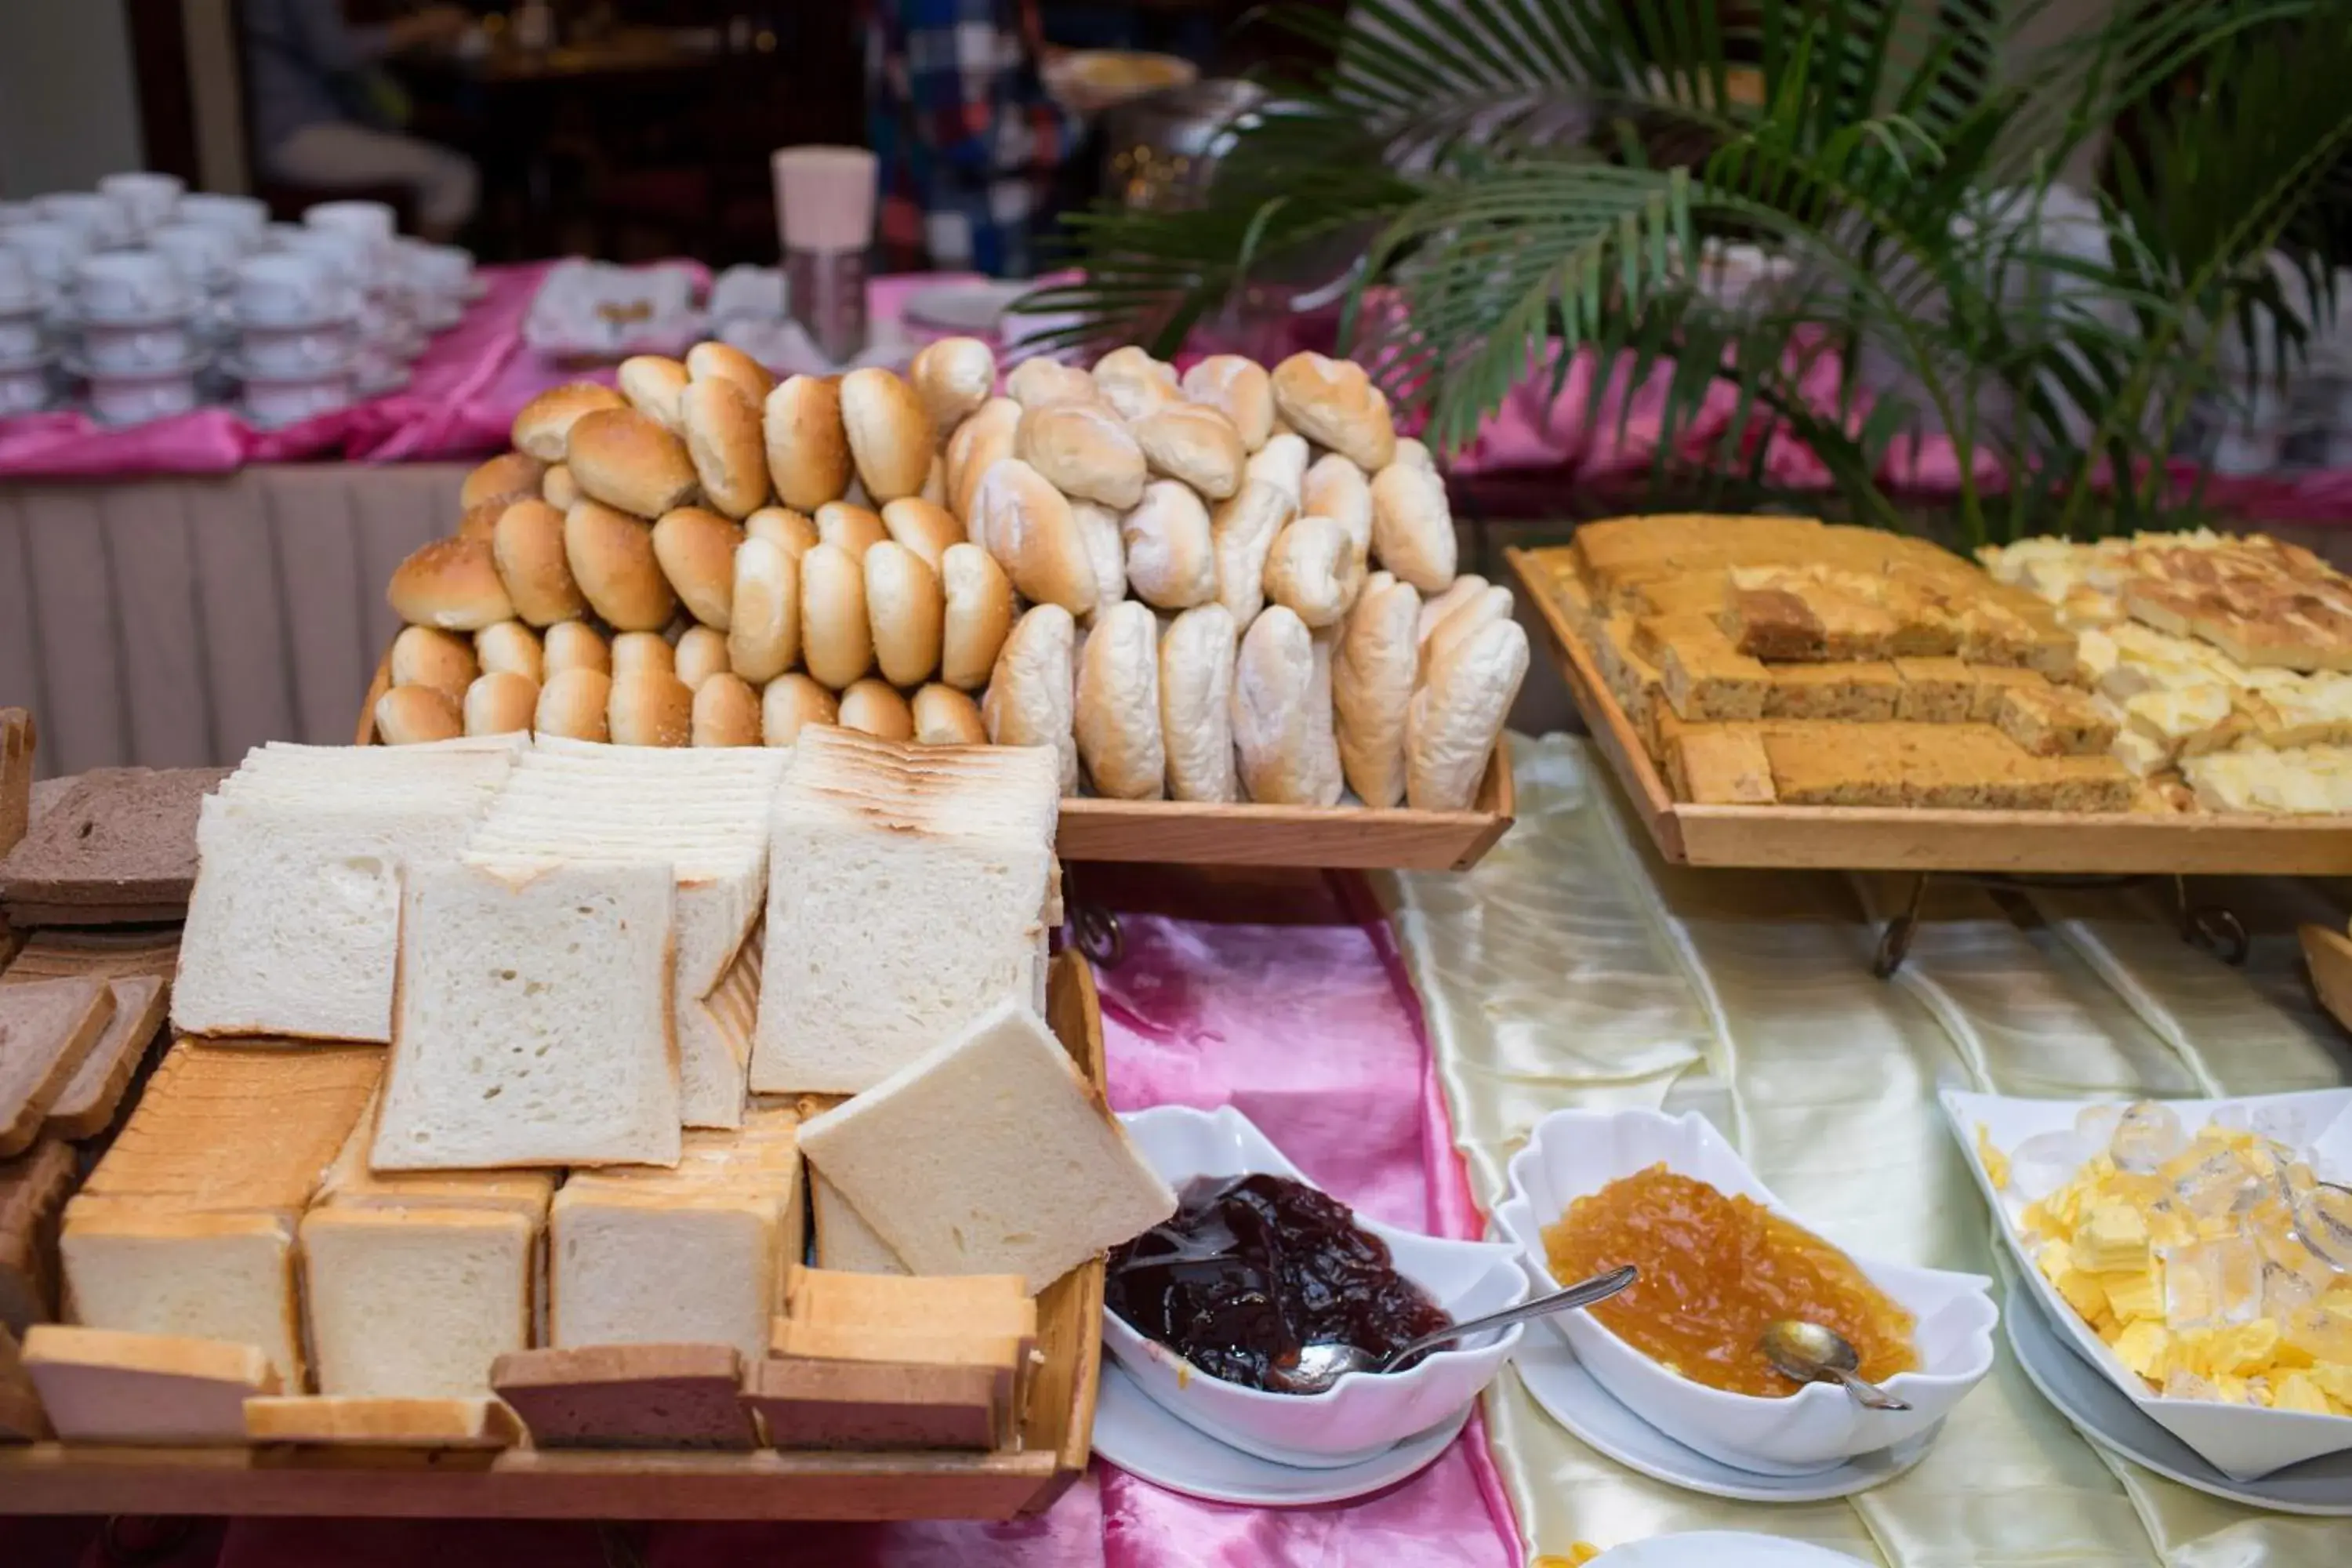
<point>100,1385</point>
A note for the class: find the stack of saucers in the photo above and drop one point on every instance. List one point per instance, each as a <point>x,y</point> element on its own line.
<point>296,319</point>
<point>24,345</point>
<point>134,324</point>
<point>438,282</point>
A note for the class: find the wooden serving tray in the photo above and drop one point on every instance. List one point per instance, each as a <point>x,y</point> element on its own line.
<point>1884,838</point>
<point>523,1483</point>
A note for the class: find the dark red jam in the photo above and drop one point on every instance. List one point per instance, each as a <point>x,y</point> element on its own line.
<point>1251,1268</point>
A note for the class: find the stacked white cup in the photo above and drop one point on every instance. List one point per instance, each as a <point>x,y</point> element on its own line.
<point>438,281</point>
<point>24,346</point>
<point>106,222</point>
<point>147,201</point>
<point>295,312</point>
<point>133,318</point>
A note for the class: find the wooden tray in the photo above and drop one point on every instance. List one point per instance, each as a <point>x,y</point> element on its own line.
<point>2328,952</point>
<point>1179,833</point>
<point>1056,1438</point>
<point>1881,838</point>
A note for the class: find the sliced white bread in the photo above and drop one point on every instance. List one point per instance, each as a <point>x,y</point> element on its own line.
<point>843,1240</point>
<point>203,1276</point>
<point>663,1266</point>
<point>415,1302</point>
<point>102,1385</point>
<point>336,1421</point>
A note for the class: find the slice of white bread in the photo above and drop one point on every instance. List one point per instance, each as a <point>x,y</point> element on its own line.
<point>843,1240</point>
<point>333,1421</point>
<point>204,1276</point>
<point>415,1302</point>
<point>533,1025</point>
<point>350,1184</point>
<point>101,1386</point>
<point>990,1155</point>
<point>663,1266</point>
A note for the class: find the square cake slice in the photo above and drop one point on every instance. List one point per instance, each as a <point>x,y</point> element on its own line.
<point>2055,722</point>
<point>1864,693</point>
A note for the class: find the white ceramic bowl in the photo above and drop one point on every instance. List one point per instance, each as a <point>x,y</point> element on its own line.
<point>1573,1153</point>
<point>1363,1414</point>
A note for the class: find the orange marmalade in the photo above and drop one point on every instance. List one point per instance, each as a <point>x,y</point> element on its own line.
<point>1715,1271</point>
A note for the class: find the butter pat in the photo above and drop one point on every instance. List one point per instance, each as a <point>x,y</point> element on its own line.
<point>2111,1240</point>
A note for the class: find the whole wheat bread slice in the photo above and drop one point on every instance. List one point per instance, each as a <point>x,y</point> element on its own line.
<point>122,836</point>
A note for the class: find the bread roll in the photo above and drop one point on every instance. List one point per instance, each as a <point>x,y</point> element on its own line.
<point>923,527</point>
<point>875,707</point>
<point>853,528</point>
<point>935,482</point>
<point>501,703</point>
<point>763,638</point>
<point>1237,388</point>
<point>1196,695</point>
<point>1133,383</point>
<point>1196,445</point>
<point>1409,450</point>
<point>1099,531</point>
<point>482,521</point>
<point>979,441</point>
<point>1085,452</point>
<point>1453,721</point>
<point>696,552</point>
<point>545,426</point>
<point>1479,610</point>
<point>952,376</point>
<point>790,702</point>
<point>1242,533</point>
<point>724,439</point>
<point>638,652</point>
<point>725,361</point>
<point>573,645</point>
<point>837,638</point>
<point>452,584</point>
<point>946,717</point>
<point>978,599</point>
<point>1172,561</point>
<point>1282,715</point>
<point>408,715</point>
<point>527,545</point>
<point>1116,715</point>
<point>1336,489</point>
<point>808,450</point>
<point>1372,676</point>
<point>1028,526</point>
<point>619,456</point>
<point>700,653</point>
<point>1311,571</point>
<point>905,611</point>
<point>1029,692</point>
<point>612,559</point>
<point>1042,383</point>
<point>650,708</point>
<point>557,490</point>
<point>1458,593</point>
<point>1333,403</point>
<point>653,384</point>
<point>574,703</point>
<point>1412,527</point>
<point>726,712</point>
<point>507,477</point>
<point>788,530</point>
<point>512,647</point>
<point>424,656</point>
<point>890,437</point>
<point>1282,463</point>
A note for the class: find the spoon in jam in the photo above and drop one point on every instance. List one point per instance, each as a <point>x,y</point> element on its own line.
<point>1321,1365</point>
<point>1808,1352</point>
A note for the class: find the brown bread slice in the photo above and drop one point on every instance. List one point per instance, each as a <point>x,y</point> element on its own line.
<point>86,1105</point>
<point>46,1031</point>
<point>628,1397</point>
<point>34,1187</point>
<point>875,1405</point>
<point>21,1420</point>
<point>122,836</point>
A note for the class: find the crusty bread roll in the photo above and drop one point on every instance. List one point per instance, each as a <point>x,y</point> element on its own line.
<point>1242,532</point>
<point>650,708</point>
<point>763,637</point>
<point>507,477</point>
<point>890,437</point>
<point>574,703</point>
<point>724,438</point>
<point>1029,692</point>
<point>1041,382</point>
<point>513,647</point>
<point>837,638</point>
<point>1133,383</point>
<point>696,552</point>
<point>1409,450</point>
<point>1412,527</point>
<point>1117,714</point>
<point>924,527</point>
<point>790,702</point>
<point>1105,554</point>
<point>808,450</point>
<point>1454,719</point>
<point>653,384</point>
<point>905,610</point>
<point>726,712</point>
<point>701,653</point>
<point>946,717</point>
<point>1311,570</point>
<point>452,584</point>
<point>1333,403</point>
<point>482,521</point>
<point>1372,676</point>
<point>1196,695</point>
<point>1478,610</point>
<point>1282,463</point>
<point>986,435</point>
<point>621,457</point>
<point>426,655</point>
<point>790,532</point>
<point>935,482</point>
<point>1197,445</point>
<point>1084,451</point>
<point>979,615</point>
<point>854,529</point>
<point>557,490</point>
<point>725,361</point>
<point>544,425</point>
<point>1237,388</point>
<point>952,376</point>
<point>501,703</point>
<point>636,652</point>
<point>528,545</point>
<point>1172,562</point>
<point>1436,608</point>
<point>612,559</point>
<point>1282,715</point>
<point>574,645</point>
<point>1028,526</point>
<point>875,707</point>
<point>1336,489</point>
<point>408,715</point>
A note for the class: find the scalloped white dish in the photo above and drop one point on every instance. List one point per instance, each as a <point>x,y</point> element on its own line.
<point>1572,1153</point>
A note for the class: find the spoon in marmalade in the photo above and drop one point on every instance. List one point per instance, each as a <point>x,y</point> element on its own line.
<point>1807,1352</point>
<point>1323,1363</point>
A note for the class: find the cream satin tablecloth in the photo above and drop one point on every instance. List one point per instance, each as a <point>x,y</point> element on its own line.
<point>1573,968</point>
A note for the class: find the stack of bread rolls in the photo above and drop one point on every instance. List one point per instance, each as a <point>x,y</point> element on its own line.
<point>1237,584</point>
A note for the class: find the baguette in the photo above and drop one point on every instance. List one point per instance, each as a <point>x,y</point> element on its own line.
<point>1311,571</point>
<point>1117,714</point>
<point>1196,694</point>
<point>510,645</point>
<point>411,715</point>
<point>633,652</point>
<point>501,703</point>
<point>837,638</point>
<point>575,645</point>
<point>1454,719</point>
<point>1336,489</point>
<point>763,637</point>
<point>1106,555</point>
<point>1412,527</point>
<point>946,717</point>
<point>890,437</point>
<point>726,712</point>
<point>1026,524</point>
<point>1372,678</point>
<point>808,449</point>
<point>876,708</point>
<point>1134,383</point>
<point>653,384</point>
<point>725,361</point>
<point>696,550</point>
<point>1198,445</point>
<point>576,703</point>
<point>557,490</point>
<point>978,615</point>
<point>612,559</point>
<point>700,653</point>
<point>1282,715</point>
<point>727,444</point>
<point>855,529</point>
<point>790,532</point>
<point>790,702</point>
<point>424,656</point>
<point>650,708</point>
<point>1171,559</point>
<point>1242,532</point>
<point>905,610</point>
<point>543,426</point>
<point>621,457</point>
<point>1237,388</point>
<point>1282,463</point>
<point>1085,452</point>
<point>1031,691</point>
<point>1042,383</point>
<point>452,584</point>
<point>954,376</point>
<point>924,527</point>
<point>507,477</point>
<point>1334,403</point>
<point>978,442</point>
<point>527,545</point>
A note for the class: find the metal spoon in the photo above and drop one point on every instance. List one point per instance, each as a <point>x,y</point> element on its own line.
<point>1321,1365</point>
<point>1808,1352</point>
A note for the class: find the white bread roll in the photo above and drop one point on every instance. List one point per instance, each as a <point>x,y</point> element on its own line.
<point>764,637</point>
<point>510,475</point>
<point>1198,445</point>
<point>946,717</point>
<point>924,527</point>
<point>501,703</point>
<point>1372,676</point>
<point>574,645</point>
<point>979,441</point>
<point>1042,383</point>
<point>545,424</point>
<point>1196,696</point>
<point>1171,560</point>
<point>725,440</point>
<point>557,490</point>
<point>935,482</point>
<point>1412,527</point>
<point>905,610</point>
<point>1237,388</point>
<point>1282,463</point>
<point>653,384</point>
<point>512,647</point>
<point>890,437</point>
<point>790,532</point>
<point>875,707</point>
<point>1282,715</point>
<point>979,615</point>
<point>426,655</point>
<point>621,457</point>
<point>1030,693</point>
<point>808,449</point>
<point>701,653</point>
<point>1311,570</point>
<point>636,653</point>
<point>954,376</point>
<point>854,529</point>
<point>575,704</point>
<point>1453,721</point>
<point>527,543</point>
<point>1336,489</point>
<point>725,361</point>
<point>1479,610</point>
<point>837,638</point>
<point>1116,715</point>
<point>410,715</point>
<point>612,558</point>
<point>1333,403</point>
<point>1242,532</point>
<point>726,712</point>
<point>1133,383</point>
<point>790,702</point>
<point>1409,450</point>
<point>1437,607</point>
<point>650,708</point>
<point>1085,452</point>
<point>696,552</point>
<point>452,584</point>
<point>1028,526</point>
<point>1098,528</point>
